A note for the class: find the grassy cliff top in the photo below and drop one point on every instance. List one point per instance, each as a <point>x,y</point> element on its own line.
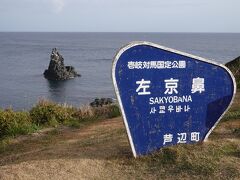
<point>234,66</point>
<point>93,145</point>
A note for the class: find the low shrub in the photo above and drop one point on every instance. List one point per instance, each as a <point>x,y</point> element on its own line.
<point>109,111</point>
<point>114,111</point>
<point>13,123</point>
<point>47,113</point>
<point>84,113</point>
<point>88,113</point>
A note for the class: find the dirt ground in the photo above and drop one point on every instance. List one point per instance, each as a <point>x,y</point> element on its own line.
<point>65,153</point>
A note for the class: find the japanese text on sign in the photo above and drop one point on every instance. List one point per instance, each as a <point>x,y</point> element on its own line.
<point>171,89</point>
<point>156,64</point>
<point>181,137</point>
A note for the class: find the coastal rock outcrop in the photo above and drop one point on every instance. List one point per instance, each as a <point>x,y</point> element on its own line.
<point>234,67</point>
<point>57,70</point>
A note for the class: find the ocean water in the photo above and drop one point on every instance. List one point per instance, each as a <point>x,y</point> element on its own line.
<point>25,56</point>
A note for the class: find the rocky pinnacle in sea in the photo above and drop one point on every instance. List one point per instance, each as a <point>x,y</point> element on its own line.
<point>57,70</point>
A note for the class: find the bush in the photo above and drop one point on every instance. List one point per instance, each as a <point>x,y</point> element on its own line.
<point>47,112</point>
<point>87,113</point>
<point>114,111</point>
<point>84,113</point>
<point>13,123</point>
<point>51,114</point>
<point>109,111</point>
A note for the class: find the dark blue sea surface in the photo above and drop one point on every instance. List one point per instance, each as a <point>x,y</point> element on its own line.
<point>25,56</point>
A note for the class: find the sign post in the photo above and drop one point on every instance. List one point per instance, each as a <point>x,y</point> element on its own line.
<point>168,97</point>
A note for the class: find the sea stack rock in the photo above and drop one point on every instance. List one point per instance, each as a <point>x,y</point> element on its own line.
<point>234,66</point>
<point>57,70</point>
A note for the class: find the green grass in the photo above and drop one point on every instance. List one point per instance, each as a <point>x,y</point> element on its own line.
<point>236,132</point>
<point>238,83</point>
<point>185,161</point>
<point>4,144</point>
<point>232,114</point>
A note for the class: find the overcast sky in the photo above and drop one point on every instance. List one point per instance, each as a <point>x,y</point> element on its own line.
<point>120,15</point>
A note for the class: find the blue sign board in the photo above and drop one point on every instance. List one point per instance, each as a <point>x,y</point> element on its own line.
<point>168,97</point>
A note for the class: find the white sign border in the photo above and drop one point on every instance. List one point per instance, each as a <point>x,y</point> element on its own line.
<point>136,43</point>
